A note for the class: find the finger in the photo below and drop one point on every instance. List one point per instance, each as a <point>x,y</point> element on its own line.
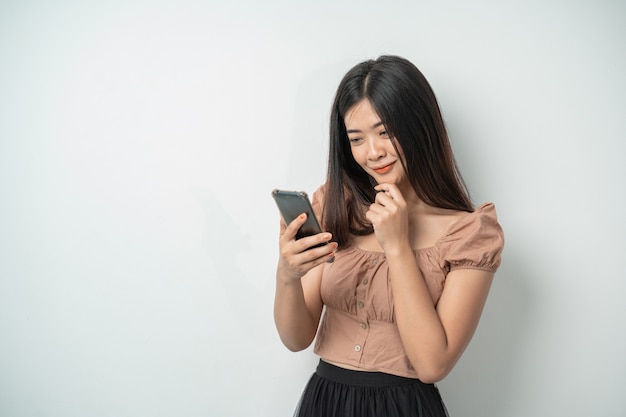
<point>377,208</point>
<point>294,226</point>
<point>308,259</point>
<point>386,200</point>
<point>375,214</point>
<point>307,266</point>
<point>390,190</point>
<point>383,198</point>
<point>318,255</point>
<point>307,243</point>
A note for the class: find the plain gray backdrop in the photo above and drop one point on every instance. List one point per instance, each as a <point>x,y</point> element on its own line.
<point>139,144</point>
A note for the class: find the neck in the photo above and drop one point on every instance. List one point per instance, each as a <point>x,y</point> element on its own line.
<point>409,194</point>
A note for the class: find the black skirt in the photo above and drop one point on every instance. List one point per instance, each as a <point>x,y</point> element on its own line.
<point>336,392</point>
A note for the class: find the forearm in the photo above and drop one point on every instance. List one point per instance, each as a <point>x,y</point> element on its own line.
<point>421,330</point>
<point>295,324</point>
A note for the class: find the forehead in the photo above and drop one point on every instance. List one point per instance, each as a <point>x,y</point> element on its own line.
<point>362,113</point>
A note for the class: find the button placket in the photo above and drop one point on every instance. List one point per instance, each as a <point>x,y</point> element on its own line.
<point>360,336</point>
<point>362,292</point>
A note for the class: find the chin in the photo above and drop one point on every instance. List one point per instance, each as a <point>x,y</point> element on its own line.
<point>391,180</point>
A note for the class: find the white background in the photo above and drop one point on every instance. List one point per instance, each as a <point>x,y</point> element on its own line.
<point>139,143</point>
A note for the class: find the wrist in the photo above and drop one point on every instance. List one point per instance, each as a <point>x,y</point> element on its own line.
<point>286,279</point>
<point>397,251</point>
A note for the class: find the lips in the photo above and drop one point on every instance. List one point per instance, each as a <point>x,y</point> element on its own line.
<point>384,169</point>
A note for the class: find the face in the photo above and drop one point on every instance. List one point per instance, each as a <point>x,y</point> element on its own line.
<point>371,145</point>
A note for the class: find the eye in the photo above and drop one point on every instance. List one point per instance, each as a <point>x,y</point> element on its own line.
<point>355,141</point>
<point>384,133</point>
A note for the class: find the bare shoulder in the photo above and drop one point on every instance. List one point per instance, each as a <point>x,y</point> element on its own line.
<point>429,224</point>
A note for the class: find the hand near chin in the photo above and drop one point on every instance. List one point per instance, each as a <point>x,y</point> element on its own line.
<point>389,216</point>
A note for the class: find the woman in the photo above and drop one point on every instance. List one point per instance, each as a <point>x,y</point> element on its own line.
<point>413,260</point>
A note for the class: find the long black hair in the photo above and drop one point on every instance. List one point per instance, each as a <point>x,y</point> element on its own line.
<point>408,108</point>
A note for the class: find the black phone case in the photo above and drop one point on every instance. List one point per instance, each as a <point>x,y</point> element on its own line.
<point>291,204</point>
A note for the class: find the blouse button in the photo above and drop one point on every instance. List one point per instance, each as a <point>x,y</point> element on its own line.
<point>360,304</point>
<point>357,348</point>
<point>374,262</point>
<point>363,325</point>
<point>365,281</point>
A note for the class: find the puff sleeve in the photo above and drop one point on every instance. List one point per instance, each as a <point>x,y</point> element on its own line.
<point>475,241</point>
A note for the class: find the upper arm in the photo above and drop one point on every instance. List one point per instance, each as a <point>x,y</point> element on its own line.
<point>460,306</point>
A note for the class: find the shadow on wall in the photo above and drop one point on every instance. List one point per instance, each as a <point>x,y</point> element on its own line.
<point>481,384</point>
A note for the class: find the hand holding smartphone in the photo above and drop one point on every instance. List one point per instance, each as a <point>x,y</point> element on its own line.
<point>291,204</point>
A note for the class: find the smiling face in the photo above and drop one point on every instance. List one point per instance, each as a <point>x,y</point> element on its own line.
<point>371,145</point>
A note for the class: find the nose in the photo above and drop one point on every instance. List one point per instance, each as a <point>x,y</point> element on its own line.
<point>376,149</point>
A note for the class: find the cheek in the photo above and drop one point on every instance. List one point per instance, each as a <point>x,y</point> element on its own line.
<point>393,150</point>
<point>356,155</point>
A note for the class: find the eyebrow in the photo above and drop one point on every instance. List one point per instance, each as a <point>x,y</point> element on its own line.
<point>359,131</point>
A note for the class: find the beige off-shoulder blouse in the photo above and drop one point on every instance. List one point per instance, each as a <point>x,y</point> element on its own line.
<point>358,327</point>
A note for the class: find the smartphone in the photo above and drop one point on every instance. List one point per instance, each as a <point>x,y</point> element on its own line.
<point>291,204</point>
